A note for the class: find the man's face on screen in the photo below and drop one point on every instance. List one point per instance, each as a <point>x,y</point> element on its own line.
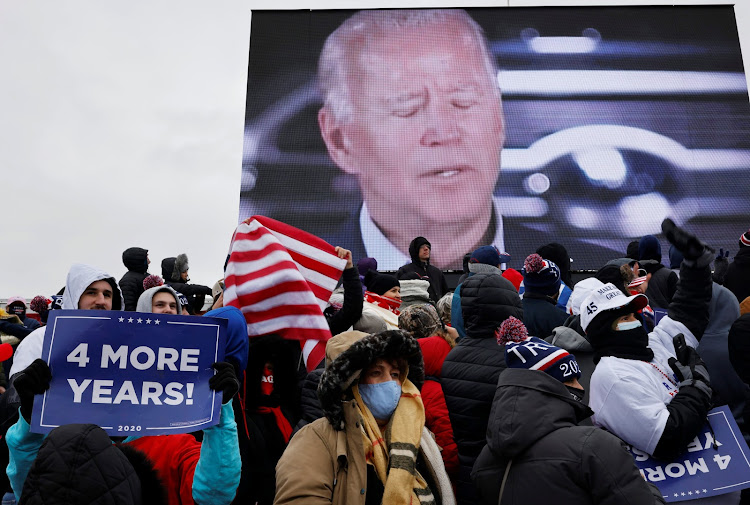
<point>428,131</point>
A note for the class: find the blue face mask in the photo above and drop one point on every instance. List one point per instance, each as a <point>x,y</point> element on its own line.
<point>628,325</point>
<point>381,398</point>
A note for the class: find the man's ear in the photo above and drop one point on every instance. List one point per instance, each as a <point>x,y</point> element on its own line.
<point>337,141</point>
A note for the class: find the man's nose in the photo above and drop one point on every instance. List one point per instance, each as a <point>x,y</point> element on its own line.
<point>441,126</point>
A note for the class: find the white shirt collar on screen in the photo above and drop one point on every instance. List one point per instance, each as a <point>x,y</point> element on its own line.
<point>390,257</point>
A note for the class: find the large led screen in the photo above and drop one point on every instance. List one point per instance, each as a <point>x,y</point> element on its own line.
<point>511,126</point>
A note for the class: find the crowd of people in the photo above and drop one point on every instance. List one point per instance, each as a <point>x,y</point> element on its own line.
<point>426,394</point>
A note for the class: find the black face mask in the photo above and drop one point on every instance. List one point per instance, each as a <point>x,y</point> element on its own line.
<point>18,310</point>
<point>576,393</point>
<point>626,344</point>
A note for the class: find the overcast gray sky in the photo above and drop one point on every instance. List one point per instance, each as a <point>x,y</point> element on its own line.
<point>121,124</point>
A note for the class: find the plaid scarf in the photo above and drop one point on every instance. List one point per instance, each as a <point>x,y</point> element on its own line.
<point>394,455</point>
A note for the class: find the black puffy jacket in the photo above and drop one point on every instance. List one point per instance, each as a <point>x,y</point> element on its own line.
<point>78,463</point>
<point>533,424</point>
<point>471,369</point>
<point>135,260</point>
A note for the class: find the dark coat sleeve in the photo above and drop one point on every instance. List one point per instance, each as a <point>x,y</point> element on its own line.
<point>687,415</point>
<point>692,299</point>
<point>13,329</point>
<point>611,474</point>
<point>351,311</point>
<point>309,402</point>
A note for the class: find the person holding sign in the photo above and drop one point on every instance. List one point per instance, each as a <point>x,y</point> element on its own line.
<point>372,446</point>
<point>86,288</point>
<point>651,389</point>
<point>205,473</point>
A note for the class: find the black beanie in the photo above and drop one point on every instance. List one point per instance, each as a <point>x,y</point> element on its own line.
<point>380,283</point>
<point>611,273</point>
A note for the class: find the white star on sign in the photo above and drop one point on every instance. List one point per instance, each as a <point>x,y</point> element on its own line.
<point>690,493</point>
<point>676,495</point>
<point>121,319</point>
<point>148,321</point>
<point>130,319</point>
<point>156,321</point>
<point>140,320</point>
<point>705,491</point>
<point>683,494</point>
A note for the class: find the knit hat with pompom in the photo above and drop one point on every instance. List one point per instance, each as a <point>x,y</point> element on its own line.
<point>532,353</point>
<point>40,304</point>
<point>540,275</point>
<point>745,239</point>
<point>152,281</point>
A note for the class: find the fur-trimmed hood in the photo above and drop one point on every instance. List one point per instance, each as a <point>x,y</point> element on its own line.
<point>171,268</point>
<point>348,353</point>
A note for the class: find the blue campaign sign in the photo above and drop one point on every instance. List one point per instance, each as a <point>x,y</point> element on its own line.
<point>131,373</point>
<point>715,463</point>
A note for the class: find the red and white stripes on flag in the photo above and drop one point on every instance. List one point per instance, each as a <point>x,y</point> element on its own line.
<point>281,277</point>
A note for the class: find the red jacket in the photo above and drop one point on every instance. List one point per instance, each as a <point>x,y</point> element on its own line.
<point>434,351</point>
<point>174,457</point>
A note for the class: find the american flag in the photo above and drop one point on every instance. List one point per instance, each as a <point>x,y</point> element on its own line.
<point>281,277</point>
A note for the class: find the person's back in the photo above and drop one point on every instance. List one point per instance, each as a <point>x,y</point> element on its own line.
<point>713,348</point>
<point>471,369</point>
<point>136,261</point>
<point>542,281</point>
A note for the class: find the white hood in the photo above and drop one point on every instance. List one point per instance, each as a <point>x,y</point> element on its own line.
<point>82,276</point>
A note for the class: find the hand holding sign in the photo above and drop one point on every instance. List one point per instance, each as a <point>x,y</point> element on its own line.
<point>131,372</point>
<point>225,381</point>
<point>34,380</point>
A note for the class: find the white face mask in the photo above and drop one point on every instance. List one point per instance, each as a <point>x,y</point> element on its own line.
<point>628,325</point>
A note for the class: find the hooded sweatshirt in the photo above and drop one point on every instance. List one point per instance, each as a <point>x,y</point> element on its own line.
<point>423,270</point>
<point>146,299</point>
<point>534,425</point>
<point>79,278</point>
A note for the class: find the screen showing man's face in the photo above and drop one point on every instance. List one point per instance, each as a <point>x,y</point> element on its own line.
<point>427,131</point>
<point>611,119</point>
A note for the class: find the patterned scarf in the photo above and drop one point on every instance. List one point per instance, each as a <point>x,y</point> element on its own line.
<point>394,455</point>
<point>383,301</point>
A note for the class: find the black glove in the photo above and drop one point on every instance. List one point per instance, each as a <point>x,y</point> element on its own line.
<point>33,380</point>
<point>225,381</point>
<point>695,252</point>
<point>721,265</point>
<point>690,370</point>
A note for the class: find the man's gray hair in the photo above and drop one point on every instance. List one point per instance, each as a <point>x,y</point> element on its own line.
<point>352,37</point>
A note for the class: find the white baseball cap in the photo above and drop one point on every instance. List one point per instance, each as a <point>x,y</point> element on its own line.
<point>605,298</point>
<point>581,290</point>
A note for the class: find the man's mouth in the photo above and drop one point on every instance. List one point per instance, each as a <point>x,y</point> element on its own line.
<point>446,172</point>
